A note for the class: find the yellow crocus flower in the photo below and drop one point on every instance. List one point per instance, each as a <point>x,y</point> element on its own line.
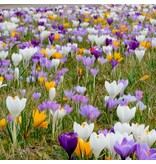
<point>3,124</point>
<point>49,85</point>
<point>39,119</point>
<point>116,43</point>
<point>117,56</point>
<point>41,80</point>
<point>109,57</point>
<point>56,36</point>
<point>66,25</point>
<point>1,78</point>
<point>57,55</point>
<point>83,149</point>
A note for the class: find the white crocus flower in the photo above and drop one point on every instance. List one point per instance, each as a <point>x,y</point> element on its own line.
<point>107,49</point>
<point>140,54</point>
<point>58,114</point>
<point>140,38</point>
<point>75,23</point>
<point>16,74</point>
<point>52,93</point>
<point>41,28</point>
<point>66,50</point>
<point>84,130</point>
<point>3,55</point>
<point>125,114</point>
<point>97,143</point>
<point>100,40</point>
<point>27,53</point>
<point>148,137</point>
<point>16,58</point>
<point>15,105</point>
<point>45,34</point>
<point>55,63</point>
<point>91,38</point>
<point>122,128</point>
<point>14,20</point>
<point>2,85</point>
<point>153,21</point>
<point>50,52</point>
<point>138,130</point>
<point>153,42</point>
<point>113,88</point>
<point>141,18</point>
<point>84,24</point>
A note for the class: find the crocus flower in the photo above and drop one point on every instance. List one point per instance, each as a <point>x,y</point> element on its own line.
<point>16,58</point>
<point>94,71</point>
<point>52,93</point>
<point>69,142</point>
<point>98,143</point>
<point>110,21</point>
<point>111,139</point>
<point>125,83</point>
<point>83,149</point>
<point>139,54</point>
<point>126,148</point>
<point>3,124</point>
<point>15,105</point>
<point>39,119</point>
<point>36,95</point>
<point>110,103</point>
<point>68,94</point>
<point>125,114</point>
<point>23,92</point>
<point>1,83</point>
<point>80,89</point>
<point>90,112</point>
<point>144,153</point>
<point>113,88</point>
<point>84,130</point>
<point>141,106</point>
<point>122,128</point>
<point>88,62</point>
<point>97,53</point>
<point>138,95</point>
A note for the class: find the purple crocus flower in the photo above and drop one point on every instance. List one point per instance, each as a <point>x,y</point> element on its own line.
<point>114,63</point>
<point>23,92</point>
<point>141,106</point>
<point>94,71</point>
<point>133,44</point>
<point>68,94</point>
<point>88,62</point>
<point>51,38</point>
<point>36,95</point>
<point>144,153</point>
<point>35,42</point>
<point>126,148</point>
<point>138,95</point>
<point>125,83</point>
<point>97,53</point>
<point>68,109</point>
<point>9,118</point>
<point>104,132</point>
<point>108,41</point>
<point>90,112</point>
<point>111,103</point>
<point>80,89</point>
<point>68,141</point>
<point>110,21</point>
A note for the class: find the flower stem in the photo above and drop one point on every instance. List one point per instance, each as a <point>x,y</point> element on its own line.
<point>14,133</point>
